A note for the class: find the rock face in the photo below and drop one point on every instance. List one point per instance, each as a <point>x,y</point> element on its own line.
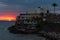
<point>51,27</point>
<point>49,35</point>
<point>16,30</point>
<point>48,27</point>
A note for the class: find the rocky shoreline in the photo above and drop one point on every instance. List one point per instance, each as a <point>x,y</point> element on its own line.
<point>12,29</point>
<point>49,35</point>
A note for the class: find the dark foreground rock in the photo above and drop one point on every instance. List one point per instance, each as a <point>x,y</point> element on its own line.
<point>14,30</point>
<point>49,35</point>
<point>54,27</point>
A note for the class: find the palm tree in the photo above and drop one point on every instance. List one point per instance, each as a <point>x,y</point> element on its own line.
<point>54,5</point>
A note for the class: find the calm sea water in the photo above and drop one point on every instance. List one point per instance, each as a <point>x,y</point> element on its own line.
<point>5,35</point>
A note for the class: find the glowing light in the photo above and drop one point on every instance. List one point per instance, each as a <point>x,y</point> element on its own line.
<point>8,16</point>
<point>10,19</point>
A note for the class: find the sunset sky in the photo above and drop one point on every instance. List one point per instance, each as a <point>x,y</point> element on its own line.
<point>9,9</point>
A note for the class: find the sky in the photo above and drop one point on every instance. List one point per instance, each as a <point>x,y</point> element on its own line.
<point>9,9</point>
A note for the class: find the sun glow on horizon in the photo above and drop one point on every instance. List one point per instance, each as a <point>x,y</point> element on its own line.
<point>8,18</point>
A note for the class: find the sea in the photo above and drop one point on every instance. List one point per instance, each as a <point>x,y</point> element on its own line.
<point>6,35</point>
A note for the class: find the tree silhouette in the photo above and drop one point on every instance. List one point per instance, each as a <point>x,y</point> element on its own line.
<point>54,5</point>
